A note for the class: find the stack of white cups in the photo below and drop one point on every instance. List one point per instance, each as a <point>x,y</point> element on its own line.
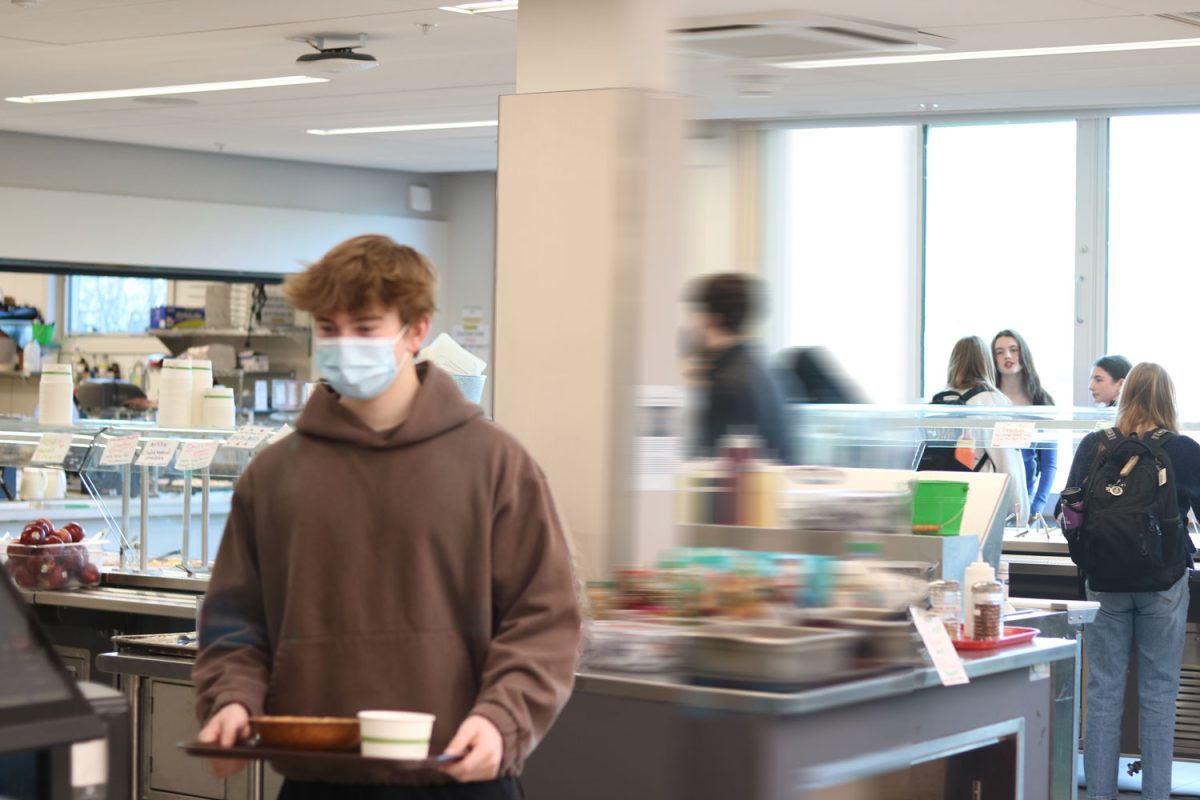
<point>56,394</point>
<point>202,381</point>
<point>219,410</point>
<point>175,394</point>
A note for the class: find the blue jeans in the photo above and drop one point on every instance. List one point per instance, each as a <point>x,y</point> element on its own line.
<point>1153,622</point>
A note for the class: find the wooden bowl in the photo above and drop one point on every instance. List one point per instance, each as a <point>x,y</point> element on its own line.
<point>307,733</point>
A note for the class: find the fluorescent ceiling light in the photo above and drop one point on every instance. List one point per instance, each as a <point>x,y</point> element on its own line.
<point>485,7</point>
<point>435,126</point>
<point>150,91</point>
<point>983,55</point>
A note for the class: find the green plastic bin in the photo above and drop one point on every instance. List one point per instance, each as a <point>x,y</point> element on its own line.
<point>939,503</point>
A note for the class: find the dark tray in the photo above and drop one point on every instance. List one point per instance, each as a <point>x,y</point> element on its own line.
<point>253,752</point>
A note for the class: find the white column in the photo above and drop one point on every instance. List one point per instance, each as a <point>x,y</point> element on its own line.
<point>588,266</point>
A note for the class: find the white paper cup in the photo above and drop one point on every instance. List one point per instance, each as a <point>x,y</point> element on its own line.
<point>395,734</point>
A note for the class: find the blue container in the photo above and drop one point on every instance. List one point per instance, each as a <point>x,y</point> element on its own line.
<point>471,386</point>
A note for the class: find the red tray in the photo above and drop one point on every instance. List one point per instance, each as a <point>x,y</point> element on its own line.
<point>1011,636</point>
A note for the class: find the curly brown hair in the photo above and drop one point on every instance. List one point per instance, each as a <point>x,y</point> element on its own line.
<point>366,272</point>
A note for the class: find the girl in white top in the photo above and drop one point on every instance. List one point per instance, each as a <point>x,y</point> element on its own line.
<point>971,365</point>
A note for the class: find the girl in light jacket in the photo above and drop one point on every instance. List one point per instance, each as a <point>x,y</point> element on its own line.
<point>971,366</point>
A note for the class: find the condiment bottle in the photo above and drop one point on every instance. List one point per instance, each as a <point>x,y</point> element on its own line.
<point>977,571</point>
<point>945,598</point>
<point>987,615</point>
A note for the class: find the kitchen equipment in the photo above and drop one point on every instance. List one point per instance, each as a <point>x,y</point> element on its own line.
<point>893,641</point>
<point>306,733</point>
<point>768,654</point>
<point>339,758</point>
<point>938,507</point>
<point>1012,636</point>
<point>620,646</point>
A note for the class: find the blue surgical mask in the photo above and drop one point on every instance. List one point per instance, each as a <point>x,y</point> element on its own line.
<point>359,367</point>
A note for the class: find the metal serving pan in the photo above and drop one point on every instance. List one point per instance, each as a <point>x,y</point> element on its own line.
<point>772,654</point>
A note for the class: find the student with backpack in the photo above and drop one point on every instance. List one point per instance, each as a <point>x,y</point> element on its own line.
<point>971,381</point>
<point>1125,519</point>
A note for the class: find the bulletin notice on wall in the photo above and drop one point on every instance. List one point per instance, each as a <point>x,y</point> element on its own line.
<point>659,443</point>
<point>473,333</point>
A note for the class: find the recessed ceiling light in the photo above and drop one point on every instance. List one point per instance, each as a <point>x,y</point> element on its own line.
<point>485,7</point>
<point>983,55</point>
<point>435,126</point>
<point>150,91</point>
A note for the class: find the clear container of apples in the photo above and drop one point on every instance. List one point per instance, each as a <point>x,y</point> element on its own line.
<point>49,559</point>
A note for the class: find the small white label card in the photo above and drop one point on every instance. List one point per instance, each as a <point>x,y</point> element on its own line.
<point>1013,434</point>
<point>248,437</point>
<point>281,433</point>
<point>120,450</point>
<point>52,448</point>
<point>157,452</point>
<point>196,454</point>
<point>937,641</point>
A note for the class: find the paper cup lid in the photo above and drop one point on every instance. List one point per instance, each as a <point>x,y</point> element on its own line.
<point>219,393</point>
<point>57,369</point>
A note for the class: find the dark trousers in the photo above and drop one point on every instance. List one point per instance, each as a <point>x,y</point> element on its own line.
<point>501,789</point>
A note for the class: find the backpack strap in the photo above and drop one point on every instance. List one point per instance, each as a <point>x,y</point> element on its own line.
<point>949,397</point>
<point>972,392</point>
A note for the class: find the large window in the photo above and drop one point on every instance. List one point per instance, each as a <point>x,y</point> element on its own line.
<point>848,233</point>
<point>106,304</point>
<point>1153,266</point>
<point>999,236</point>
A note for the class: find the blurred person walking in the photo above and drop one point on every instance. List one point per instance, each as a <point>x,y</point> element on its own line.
<point>737,393</point>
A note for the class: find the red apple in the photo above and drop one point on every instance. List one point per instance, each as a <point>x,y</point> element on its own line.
<point>89,575</point>
<point>56,578</point>
<point>24,578</point>
<point>42,523</point>
<point>62,536</point>
<point>33,536</point>
<point>74,557</point>
<point>76,531</point>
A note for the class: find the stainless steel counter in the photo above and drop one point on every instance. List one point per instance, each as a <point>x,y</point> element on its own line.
<point>176,605</point>
<point>665,689</point>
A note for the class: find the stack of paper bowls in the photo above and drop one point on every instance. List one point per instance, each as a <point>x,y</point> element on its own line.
<point>175,394</point>
<point>202,381</point>
<point>218,409</point>
<point>56,394</point>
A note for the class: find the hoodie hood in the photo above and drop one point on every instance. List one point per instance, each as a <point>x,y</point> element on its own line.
<point>438,407</point>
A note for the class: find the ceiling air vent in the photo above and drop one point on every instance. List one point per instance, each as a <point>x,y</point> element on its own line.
<point>791,36</point>
<point>1186,17</point>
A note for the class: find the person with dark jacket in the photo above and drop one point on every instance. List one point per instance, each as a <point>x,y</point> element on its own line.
<point>398,551</point>
<point>1149,615</point>
<point>738,394</point>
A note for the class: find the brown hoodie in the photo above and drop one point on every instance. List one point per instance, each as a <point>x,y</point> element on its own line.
<point>418,569</point>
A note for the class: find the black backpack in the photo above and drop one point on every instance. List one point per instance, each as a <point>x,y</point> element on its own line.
<point>938,454</point>
<point>1130,539</point>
